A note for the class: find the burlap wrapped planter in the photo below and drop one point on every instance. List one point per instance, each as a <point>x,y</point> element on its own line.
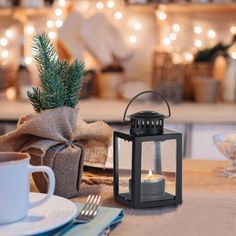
<point>67,165</point>
<point>96,153</point>
<point>57,138</point>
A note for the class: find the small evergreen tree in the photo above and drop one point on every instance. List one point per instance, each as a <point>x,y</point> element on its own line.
<point>61,82</point>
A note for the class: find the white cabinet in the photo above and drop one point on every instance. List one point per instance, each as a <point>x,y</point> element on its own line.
<point>197,139</point>
<point>202,146</point>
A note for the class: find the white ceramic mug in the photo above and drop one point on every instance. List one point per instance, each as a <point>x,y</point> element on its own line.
<point>15,186</point>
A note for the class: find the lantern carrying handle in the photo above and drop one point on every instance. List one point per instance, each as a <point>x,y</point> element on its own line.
<point>150,91</point>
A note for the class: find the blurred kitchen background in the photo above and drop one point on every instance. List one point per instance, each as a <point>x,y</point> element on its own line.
<point>186,50</point>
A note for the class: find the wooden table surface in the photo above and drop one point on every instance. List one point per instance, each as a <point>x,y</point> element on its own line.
<point>199,176</point>
<point>206,176</point>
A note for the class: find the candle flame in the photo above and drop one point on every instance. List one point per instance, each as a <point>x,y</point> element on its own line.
<point>150,174</point>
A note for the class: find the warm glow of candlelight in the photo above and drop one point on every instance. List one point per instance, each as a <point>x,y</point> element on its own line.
<point>62,3</point>
<point>150,175</point>
<point>173,36</point>
<point>188,56</point>
<point>29,29</point>
<point>138,26</point>
<point>233,29</point>
<point>166,41</point>
<point>50,23</point>
<point>111,4</point>
<point>58,23</point>
<point>99,5</point>
<point>233,55</point>
<point>3,42</point>
<point>52,35</point>
<point>11,93</point>
<point>5,53</point>
<point>28,60</point>
<point>118,15</point>
<point>198,43</point>
<point>211,34</point>
<point>197,29</point>
<point>132,39</point>
<point>9,34</point>
<point>161,15</point>
<point>176,27</point>
<point>58,12</point>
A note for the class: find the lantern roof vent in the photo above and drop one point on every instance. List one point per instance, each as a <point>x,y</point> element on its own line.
<point>147,115</point>
<point>146,122</point>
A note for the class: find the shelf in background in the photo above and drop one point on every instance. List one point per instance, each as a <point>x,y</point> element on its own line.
<point>186,112</point>
<point>187,7</point>
<point>168,8</point>
<point>29,12</point>
<point>198,8</point>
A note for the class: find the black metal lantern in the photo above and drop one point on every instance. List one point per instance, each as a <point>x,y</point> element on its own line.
<point>147,161</point>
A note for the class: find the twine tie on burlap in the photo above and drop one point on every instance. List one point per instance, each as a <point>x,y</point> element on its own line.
<point>69,143</point>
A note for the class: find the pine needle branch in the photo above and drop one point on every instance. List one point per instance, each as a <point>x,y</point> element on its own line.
<point>74,83</point>
<point>60,82</point>
<point>35,99</point>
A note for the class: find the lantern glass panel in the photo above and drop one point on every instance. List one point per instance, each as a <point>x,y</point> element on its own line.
<point>124,167</point>
<point>158,170</point>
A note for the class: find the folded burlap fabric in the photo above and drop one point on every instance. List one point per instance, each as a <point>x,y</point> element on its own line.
<point>58,139</point>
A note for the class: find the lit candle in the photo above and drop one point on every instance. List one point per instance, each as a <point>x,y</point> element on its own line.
<point>152,186</point>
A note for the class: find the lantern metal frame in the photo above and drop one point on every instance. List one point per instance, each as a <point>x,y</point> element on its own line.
<point>134,198</point>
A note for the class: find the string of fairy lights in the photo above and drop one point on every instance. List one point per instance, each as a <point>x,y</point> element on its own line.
<point>119,13</point>
<point>198,31</point>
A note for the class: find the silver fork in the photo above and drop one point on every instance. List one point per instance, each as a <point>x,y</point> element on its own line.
<point>88,212</point>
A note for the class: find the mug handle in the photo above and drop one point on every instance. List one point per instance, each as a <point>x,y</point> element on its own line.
<point>51,186</point>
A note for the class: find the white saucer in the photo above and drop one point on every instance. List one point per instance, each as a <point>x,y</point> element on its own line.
<point>52,214</point>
